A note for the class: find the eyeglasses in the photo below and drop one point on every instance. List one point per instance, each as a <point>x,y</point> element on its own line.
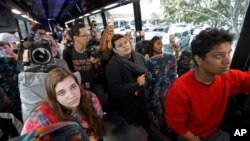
<point>95,24</point>
<point>86,35</point>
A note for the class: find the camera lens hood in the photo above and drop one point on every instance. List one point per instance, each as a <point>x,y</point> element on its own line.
<point>41,55</point>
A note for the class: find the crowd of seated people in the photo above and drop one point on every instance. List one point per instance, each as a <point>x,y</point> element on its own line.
<point>138,88</point>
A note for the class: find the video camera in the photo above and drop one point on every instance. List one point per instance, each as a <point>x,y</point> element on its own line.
<point>39,52</point>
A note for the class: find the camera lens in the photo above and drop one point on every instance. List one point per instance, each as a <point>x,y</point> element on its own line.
<point>41,55</point>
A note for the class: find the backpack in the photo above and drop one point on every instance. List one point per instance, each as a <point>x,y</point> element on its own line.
<point>63,131</point>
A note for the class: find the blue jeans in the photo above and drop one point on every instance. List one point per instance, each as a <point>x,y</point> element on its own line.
<point>217,136</point>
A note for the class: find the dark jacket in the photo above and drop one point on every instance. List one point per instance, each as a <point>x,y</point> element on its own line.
<point>123,85</point>
<point>121,80</point>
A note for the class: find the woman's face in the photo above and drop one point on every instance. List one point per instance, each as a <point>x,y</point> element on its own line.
<point>157,47</point>
<point>98,36</point>
<point>109,30</point>
<point>67,37</point>
<point>68,93</point>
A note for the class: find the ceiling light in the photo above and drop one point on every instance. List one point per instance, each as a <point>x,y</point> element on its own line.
<point>70,21</point>
<point>15,11</point>
<point>80,17</point>
<point>95,11</point>
<point>87,14</point>
<point>111,5</point>
<point>25,16</point>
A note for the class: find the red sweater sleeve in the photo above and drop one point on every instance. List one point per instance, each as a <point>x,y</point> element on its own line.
<point>177,107</point>
<point>239,81</point>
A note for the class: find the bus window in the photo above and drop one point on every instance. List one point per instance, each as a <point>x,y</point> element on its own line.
<point>86,22</point>
<point>123,18</point>
<point>23,29</point>
<point>98,19</point>
<point>176,17</point>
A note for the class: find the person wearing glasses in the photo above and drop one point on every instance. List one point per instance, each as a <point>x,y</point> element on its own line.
<point>38,31</point>
<point>196,102</point>
<point>93,29</point>
<point>79,58</point>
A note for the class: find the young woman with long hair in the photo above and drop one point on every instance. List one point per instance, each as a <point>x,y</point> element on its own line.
<point>67,101</point>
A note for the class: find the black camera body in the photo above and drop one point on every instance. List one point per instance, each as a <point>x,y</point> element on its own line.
<point>39,52</point>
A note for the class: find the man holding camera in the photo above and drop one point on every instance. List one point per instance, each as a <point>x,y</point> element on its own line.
<point>38,43</point>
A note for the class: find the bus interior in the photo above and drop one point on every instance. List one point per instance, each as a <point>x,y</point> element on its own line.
<point>143,19</point>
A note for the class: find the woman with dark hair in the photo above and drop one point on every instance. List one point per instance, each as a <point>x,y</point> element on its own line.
<point>155,46</point>
<point>67,101</point>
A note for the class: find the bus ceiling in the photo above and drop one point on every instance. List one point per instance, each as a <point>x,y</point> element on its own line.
<point>60,11</point>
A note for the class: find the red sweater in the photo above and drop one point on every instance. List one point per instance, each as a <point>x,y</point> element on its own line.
<point>191,105</point>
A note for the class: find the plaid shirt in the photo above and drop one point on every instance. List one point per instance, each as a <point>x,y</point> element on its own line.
<point>43,115</point>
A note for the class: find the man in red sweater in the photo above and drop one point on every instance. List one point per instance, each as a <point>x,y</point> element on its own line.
<point>196,102</point>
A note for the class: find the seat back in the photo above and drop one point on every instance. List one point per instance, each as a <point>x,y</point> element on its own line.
<point>63,131</point>
<point>9,92</point>
<point>10,126</point>
<point>32,90</point>
<point>161,72</point>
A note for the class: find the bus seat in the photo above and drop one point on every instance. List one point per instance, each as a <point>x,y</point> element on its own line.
<point>62,131</point>
<point>10,126</point>
<point>9,92</point>
<point>161,72</point>
<point>32,90</point>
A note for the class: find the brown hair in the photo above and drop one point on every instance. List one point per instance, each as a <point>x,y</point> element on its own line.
<point>115,38</point>
<point>86,107</point>
<point>3,43</point>
<point>35,26</point>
